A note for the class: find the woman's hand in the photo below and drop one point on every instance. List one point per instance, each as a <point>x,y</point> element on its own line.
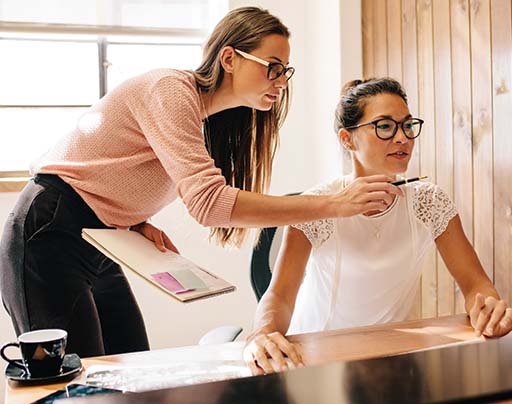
<point>490,316</point>
<point>265,353</point>
<point>162,242</point>
<point>367,194</point>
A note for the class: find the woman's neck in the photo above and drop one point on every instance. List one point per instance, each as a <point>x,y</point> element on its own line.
<point>220,99</point>
<point>356,174</point>
<point>359,171</point>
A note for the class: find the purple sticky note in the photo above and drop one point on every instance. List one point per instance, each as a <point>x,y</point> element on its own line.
<point>166,280</point>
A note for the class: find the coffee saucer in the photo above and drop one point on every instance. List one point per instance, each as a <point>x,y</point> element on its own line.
<point>71,365</point>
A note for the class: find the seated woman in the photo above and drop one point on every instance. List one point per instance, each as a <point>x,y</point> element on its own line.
<point>366,269</point>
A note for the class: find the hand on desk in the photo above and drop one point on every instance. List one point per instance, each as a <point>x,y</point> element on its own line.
<point>265,353</point>
<point>490,316</point>
<point>157,236</point>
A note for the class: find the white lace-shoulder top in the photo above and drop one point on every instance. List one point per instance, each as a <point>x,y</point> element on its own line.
<point>365,270</point>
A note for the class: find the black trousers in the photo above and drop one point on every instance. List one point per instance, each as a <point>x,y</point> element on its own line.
<point>51,278</point>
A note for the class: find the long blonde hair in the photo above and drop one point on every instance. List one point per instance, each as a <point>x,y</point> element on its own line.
<point>241,140</point>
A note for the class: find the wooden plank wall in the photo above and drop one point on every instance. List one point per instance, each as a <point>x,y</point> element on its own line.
<point>454,58</point>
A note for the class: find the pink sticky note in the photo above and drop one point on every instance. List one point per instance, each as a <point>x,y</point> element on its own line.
<point>166,280</point>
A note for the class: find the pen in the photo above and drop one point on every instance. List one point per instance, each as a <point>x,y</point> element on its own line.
<point>407,180</point>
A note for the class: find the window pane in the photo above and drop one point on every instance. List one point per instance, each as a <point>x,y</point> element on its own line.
<point>175,14</point>
<point>26,133</point>
<point>129,60</point>
<point>140,13</point>
<point>50,11</point>
<point>48,73</point>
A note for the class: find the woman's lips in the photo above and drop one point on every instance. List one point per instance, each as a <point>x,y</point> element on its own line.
<point>272,97</point>
<point>399,155</point>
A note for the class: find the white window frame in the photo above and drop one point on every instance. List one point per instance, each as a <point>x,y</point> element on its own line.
<point>103,36</point>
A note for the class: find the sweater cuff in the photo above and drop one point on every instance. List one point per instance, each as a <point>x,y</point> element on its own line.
<point>223,207</point>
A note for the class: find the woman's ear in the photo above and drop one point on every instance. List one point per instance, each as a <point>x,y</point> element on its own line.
<point>346,139</point>
<point>227,58</point>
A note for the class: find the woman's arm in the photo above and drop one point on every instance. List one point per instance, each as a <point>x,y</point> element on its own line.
<point>489,314</point>
<point>275,308</point>
<point>364,194</point>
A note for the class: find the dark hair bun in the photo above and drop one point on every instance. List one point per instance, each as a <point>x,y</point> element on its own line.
<point>349,85</point>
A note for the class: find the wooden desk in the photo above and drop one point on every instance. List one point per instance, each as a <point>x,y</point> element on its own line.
<point>317,348</point>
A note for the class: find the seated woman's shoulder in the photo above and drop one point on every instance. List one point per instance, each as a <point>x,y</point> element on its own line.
<point>426,187</point>
<point>326,188</point>
<point>427,195</point>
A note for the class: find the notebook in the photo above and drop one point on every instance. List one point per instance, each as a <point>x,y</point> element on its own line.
<point>172,273</point>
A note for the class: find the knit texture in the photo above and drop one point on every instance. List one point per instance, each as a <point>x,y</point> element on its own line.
<point>138,149</point>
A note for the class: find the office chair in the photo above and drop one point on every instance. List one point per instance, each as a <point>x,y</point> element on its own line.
<point>263,258</point>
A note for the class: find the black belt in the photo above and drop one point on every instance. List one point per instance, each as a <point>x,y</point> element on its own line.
<point>55,181</point>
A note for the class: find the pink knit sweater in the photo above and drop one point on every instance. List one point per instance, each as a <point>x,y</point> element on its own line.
<point>139,148</point>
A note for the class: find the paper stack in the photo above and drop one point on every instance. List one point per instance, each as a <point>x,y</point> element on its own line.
<point>169,271</point>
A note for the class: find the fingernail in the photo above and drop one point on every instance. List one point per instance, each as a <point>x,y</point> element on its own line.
<point>488,330</point>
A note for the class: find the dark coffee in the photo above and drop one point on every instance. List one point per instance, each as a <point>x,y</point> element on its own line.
<point>42,352</point>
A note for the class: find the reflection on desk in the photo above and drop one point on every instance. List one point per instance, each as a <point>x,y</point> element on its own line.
<point>480,372</point>
<point>144,378</point>
<point>318,348</point>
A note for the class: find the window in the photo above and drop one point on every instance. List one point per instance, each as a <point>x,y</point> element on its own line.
<point>46,85</point>
<point>52,72</point>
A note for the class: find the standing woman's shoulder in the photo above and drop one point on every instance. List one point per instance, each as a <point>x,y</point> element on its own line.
<point>161,93</point>
<point>157,81</point>
<point>181,81</point>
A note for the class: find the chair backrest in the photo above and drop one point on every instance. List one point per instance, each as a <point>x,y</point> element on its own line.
<point>264,257</point>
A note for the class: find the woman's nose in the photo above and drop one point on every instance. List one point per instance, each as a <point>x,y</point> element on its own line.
<point>400,135</point>
<point>281,82</point>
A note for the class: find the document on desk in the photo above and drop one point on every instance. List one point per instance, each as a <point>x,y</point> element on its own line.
<point>170,272</point>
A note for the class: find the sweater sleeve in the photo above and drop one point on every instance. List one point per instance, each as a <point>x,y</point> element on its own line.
<point>170,119</point>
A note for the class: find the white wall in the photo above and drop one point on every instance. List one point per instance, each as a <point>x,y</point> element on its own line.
<point>308,152</point>
<point>308,155</point>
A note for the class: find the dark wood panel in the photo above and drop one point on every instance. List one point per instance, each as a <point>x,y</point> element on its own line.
<point>394,37</point>
<point>481,91</point>
<point>462,131</point>
<point>444,134</point>
<point>367,35</point>
<point>427,139</point>
<point>380,38</point>
<point>410,70</point>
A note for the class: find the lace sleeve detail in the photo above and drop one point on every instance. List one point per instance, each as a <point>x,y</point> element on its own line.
<point>319,231</point>
<point>433,207</point>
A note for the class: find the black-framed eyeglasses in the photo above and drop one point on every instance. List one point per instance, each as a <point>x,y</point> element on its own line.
<point>386,128</point>
<point>274,69</point>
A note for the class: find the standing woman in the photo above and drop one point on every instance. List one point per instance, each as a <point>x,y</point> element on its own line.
<point>207,136</point>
